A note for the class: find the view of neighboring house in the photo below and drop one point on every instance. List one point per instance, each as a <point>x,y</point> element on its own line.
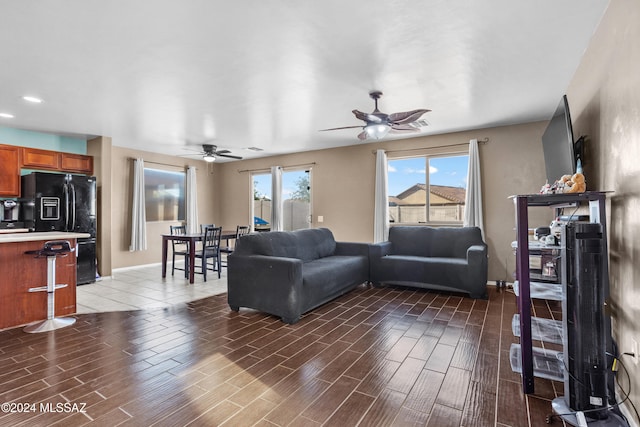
<point>445,204</point>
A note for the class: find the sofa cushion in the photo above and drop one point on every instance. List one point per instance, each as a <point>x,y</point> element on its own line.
<point>412,241</point>
<point>324,278</point>
<point>454,242</point>
<point>306,245</point>
<point>435,270</point>
<point>434,241</point>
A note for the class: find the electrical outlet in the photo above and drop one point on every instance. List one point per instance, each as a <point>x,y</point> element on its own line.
<point>634,350</point>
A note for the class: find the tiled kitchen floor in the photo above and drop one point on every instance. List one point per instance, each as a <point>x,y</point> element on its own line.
<point>143,287</point>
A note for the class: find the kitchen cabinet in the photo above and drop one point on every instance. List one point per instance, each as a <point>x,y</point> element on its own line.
<point>34,158</point>
<point>22,271</point>
<point>40,159</point>
<point>76,163</point>
<point>9,171</point>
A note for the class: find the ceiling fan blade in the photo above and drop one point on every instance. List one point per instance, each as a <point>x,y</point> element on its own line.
<point>404,128</point>
<point>367,117</point>
<point>228,155</point>
<point>222,152</point>
<point>344,127</point>
<point>407,116</point>
<point>362,136</point>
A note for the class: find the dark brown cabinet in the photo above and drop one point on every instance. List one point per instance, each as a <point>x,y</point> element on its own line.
<point>9,171</point>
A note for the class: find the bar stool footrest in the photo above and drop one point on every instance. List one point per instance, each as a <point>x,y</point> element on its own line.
<point>46,288</point>
<point>49,324</point>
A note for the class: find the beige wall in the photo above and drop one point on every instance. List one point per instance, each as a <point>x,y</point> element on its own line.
<point>343,184</point>
<point>100,149</point>
<point>121,182</point>
<point>604,97</point>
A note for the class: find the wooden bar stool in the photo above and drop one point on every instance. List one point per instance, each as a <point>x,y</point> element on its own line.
<point>51,250</point>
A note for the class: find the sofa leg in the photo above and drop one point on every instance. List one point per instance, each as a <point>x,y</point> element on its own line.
<point>234,308</point>
<point>479,296</point>
<point>290,320</point>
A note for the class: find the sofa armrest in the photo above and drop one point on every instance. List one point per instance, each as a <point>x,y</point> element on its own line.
<point>477,254</point>
<point>267,283</point>
<point>378,250</point>
<point>352,248</point>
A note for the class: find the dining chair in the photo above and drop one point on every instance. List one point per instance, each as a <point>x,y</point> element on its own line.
<point>179,248</point>
<point>210,250</point>
<point>241,230</point>
<point>204,226</point>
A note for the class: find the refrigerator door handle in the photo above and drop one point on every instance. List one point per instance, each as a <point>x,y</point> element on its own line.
<point>73,207</point>
<point>66,206</point>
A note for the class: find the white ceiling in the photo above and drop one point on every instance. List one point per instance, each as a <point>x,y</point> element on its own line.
<point>159,74</point>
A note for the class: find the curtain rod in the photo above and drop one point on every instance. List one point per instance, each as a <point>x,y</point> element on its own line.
<point>480,141</point>
<point>162,164</point>
<point>283,167</point>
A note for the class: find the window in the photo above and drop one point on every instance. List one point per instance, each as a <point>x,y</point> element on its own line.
<point>436,197</point>
<point>261,202</point>
<point>164,195</point>
<point>296,197</point>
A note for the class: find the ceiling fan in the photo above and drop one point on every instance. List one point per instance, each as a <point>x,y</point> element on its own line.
<point>210,152</point>
<point>378,124</point>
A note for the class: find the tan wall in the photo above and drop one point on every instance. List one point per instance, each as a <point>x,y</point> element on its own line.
<point>121,182</point>
<point>343,184</point>
<point>604,97</point>
<point>100,149</point>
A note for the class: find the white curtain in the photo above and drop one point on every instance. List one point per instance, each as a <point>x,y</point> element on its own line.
<point>192,201</point>
<point>138,213</point>
<point>473,200</point>
<point>277,223</point>
<point>381,208</point>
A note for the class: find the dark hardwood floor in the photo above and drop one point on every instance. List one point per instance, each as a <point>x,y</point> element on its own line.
<point>374,357</point>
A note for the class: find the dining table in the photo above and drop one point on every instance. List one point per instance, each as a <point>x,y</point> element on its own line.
<point>191,239</point>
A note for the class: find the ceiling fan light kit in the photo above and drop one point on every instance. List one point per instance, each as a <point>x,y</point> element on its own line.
<point>209,158</point>
<point>378,124</point>
<point>377,131</point>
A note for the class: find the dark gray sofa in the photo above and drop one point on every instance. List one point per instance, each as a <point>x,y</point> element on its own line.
<point>289,273</point>
<point>443,258</point>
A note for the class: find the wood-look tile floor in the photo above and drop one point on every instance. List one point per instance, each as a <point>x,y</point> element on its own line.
<point>374,357</point>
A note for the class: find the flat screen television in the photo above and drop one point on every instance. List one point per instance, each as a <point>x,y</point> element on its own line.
<point>557,144</point>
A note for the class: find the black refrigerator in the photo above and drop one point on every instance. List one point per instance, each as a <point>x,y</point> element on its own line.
<point>64,202</point>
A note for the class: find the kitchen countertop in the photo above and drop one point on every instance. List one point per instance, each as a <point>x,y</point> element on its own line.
<point>47,235</point>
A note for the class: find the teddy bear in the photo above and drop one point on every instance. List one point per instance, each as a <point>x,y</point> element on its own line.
<point>566,184</point>
<point>573,183</point>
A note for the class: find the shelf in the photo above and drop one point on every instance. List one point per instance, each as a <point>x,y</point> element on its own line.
<point>542,290</point>
<point>557,200</point>
<point>533,258</point>
<point>546,363</point>
<point>547,330</point>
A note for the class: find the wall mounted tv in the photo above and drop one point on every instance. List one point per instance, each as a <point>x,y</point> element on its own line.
<point>557,144</point>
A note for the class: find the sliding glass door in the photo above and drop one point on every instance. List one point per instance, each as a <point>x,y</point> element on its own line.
<point>296,196</point>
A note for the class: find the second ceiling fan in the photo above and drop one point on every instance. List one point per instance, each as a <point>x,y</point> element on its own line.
<point>210,152</point>
<point>378,124</point>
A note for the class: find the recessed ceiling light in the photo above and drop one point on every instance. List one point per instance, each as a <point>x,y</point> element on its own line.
<point>6,115</point>
<point>32,99</point>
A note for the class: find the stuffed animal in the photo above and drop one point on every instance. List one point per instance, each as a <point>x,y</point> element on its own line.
<point>574,183</point>
<point>566,184</point>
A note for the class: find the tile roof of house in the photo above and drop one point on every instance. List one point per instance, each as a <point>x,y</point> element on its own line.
<point>454,194</point>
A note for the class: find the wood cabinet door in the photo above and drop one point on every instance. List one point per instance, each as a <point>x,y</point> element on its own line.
<point>9,171</point>
<point>40,159</point>
<point>77,163</point>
